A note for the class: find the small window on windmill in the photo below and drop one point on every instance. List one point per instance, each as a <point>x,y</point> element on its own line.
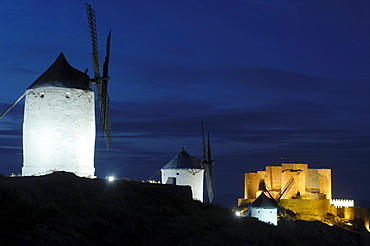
<point>42,95</point>
<point>177,174</point>
<point>68,95</point>
<point>171,180</point>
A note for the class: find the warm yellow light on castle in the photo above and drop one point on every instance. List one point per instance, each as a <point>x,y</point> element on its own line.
<point>307,192</point>
<point>367,225</point>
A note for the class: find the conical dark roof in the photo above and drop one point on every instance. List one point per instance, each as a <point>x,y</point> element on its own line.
<point>62,74</point>
<point>183,161</point>
<point>263,202</point>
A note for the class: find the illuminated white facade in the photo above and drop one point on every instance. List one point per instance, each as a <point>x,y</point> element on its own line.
<point>264,209</point>
<point>184,169</point>
<point>267,215</point>
<point>190,177</point>
<point>59,123</point>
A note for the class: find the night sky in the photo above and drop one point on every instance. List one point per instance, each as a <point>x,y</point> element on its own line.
<point>273,81</point>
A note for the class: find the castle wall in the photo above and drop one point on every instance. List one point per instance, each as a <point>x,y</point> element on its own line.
<point>307,209</point>
<point>261,174</point>
<point>312,180</point>
<point>349,213</point>
<point>308,183</point>
<point>297,171</point>
<point>325,182</point>
<point>344,208</point>
<point>273,178</point>
<point>59,131</point>
<point>294,166</point>
<point>251,181</point>
<point>242,201</point>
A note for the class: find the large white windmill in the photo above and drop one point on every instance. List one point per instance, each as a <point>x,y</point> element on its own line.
<point>59,116</point>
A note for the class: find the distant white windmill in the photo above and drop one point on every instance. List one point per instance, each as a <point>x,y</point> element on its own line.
<point>184,169</point>
<point>59,116</point>
<point>264,209</point>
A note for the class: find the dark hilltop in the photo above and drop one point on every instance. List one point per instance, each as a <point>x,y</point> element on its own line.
<point>63,209</point>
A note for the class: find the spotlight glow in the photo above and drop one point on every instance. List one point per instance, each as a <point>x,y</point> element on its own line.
<point>110,178</point>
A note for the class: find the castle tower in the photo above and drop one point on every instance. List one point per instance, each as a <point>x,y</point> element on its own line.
<point>59,122</point>
<point>184,169</point>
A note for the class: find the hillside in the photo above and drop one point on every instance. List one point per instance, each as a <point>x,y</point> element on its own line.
<point>62,209</point>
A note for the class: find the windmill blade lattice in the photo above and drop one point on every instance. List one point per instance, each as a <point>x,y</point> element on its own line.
<point>210,182</point>
<point>94,40</point>
<point>104,97</point>
<point>207,164</point>
<point>100,82</point>
<point>12,106</point>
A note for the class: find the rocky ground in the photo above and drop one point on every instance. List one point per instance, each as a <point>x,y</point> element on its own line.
<point>62,209</point>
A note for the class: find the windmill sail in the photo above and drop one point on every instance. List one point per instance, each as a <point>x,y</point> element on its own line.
<point>204,145</point>
<point>286,188</point>
<point>94,40</point>
<point>107,56</point>
<point>104,99</point>
<point>12,106</point>
<point>207,164</point>
<point>210,182</point>
<point>100,82</point>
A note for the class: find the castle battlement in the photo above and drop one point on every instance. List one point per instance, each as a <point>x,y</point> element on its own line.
<point>342,203</point>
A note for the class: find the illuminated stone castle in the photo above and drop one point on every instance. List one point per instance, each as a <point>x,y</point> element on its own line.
<point>307,183</point>
<point>305,191</point>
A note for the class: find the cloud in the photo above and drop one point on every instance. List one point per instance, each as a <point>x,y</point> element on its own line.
<point>270,114</point>
<point>18,70</point>
<point>293,84</point>
<point>260,98</point>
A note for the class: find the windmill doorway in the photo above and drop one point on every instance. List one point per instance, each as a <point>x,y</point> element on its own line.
<point>171,180</point>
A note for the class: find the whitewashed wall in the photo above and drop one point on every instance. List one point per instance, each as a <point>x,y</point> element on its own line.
<point>191,177</point>
<point>265,215</point>
<point>58,131</point>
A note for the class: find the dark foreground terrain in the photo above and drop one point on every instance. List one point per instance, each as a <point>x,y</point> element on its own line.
<point>62,209</point>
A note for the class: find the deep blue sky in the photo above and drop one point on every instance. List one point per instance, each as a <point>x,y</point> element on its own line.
<point>270,79</point>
